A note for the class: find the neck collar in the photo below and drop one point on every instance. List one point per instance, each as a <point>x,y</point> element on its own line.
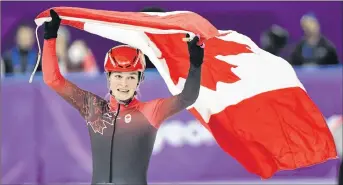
<point>114,104</point>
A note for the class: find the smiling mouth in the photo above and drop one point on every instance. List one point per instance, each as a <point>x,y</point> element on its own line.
<point>123,90</point>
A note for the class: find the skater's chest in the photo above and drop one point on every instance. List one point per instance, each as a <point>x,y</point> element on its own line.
<point>125,122</point>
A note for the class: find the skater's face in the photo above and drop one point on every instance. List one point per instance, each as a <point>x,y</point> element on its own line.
<point>123,84</point>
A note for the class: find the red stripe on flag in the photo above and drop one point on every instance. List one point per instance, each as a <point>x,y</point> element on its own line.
<point>75,24</point>
<point>272,131</point>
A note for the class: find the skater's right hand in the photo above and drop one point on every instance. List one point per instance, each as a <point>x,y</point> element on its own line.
<point>51,28</point>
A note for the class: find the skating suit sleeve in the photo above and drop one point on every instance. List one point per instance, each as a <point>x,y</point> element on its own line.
<point>78,98</point>
<point>158,110</point>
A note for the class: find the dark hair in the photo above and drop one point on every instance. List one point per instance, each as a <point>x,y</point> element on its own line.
<point>152,9</point>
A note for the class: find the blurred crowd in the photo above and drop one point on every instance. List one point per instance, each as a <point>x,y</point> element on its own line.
<point>73,56</point>
<point>314,49</point>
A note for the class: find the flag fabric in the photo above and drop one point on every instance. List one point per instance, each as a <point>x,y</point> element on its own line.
<point>250,100</point>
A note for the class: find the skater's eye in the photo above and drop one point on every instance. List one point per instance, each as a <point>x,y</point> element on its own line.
<point>118,76</point>
<point>132,78</point>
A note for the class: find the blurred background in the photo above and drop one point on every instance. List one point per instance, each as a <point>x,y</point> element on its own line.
<point>44,140</point>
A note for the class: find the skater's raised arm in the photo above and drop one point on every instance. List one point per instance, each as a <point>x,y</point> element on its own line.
<point>77,97</point>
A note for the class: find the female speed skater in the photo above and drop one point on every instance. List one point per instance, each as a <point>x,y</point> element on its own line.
<point>123,129</point>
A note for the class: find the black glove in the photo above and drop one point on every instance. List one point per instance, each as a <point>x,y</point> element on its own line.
<point>196,53</point>
<point>51,28</point>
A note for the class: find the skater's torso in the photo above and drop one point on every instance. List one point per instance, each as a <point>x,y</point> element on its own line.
<point>127,160</point>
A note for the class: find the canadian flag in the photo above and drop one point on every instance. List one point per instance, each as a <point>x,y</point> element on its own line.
<point>250,100</point>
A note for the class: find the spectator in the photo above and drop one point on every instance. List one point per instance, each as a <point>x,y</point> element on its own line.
<point>81,58</point>
<point>75,57</point>
<point>22,58</point>
<point>274,39</point>
<point>314,48</point>
<point>62,45</point>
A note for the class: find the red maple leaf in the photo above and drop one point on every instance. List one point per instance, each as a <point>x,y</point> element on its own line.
<point>175,51</point>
